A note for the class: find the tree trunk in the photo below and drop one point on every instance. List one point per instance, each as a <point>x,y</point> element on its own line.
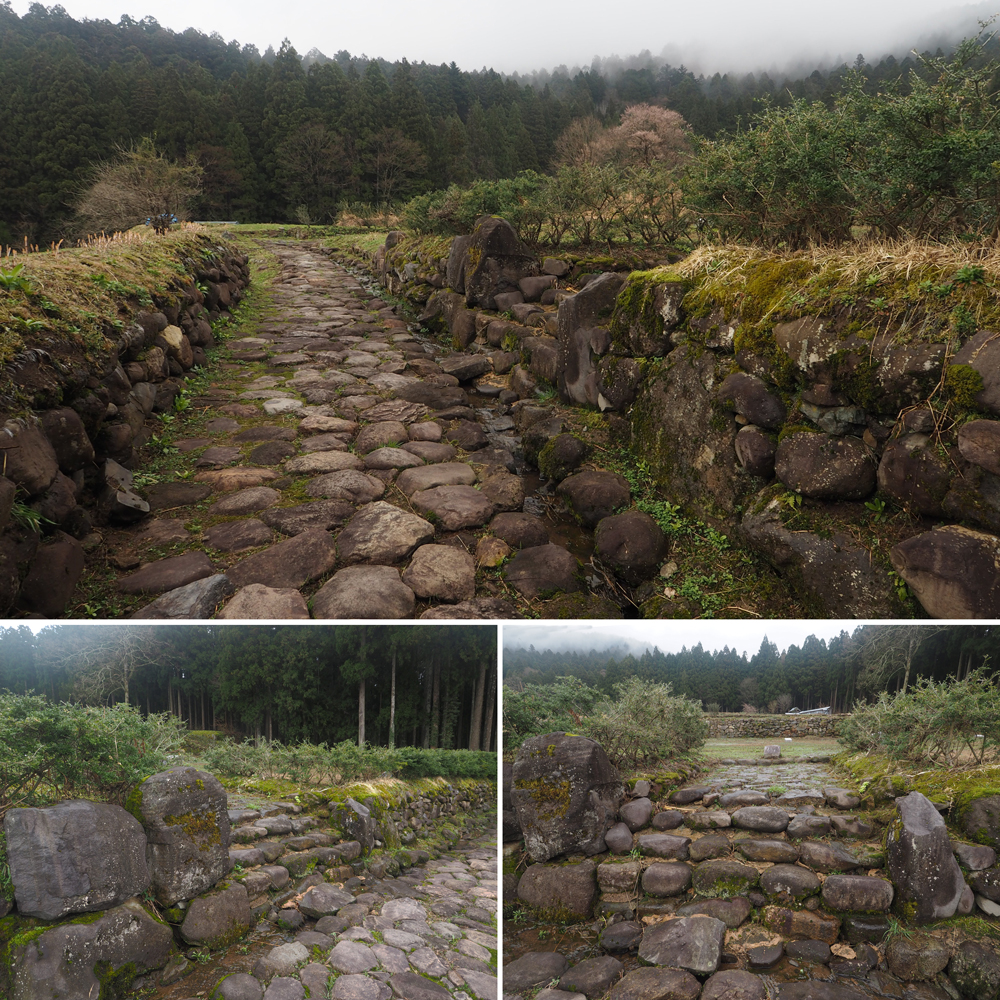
<point>436,707</point>
<point>361,713</point>
<point>909,662</point>
<point>476,721</point>
<point>491,694</point>
<point>392,703</point>
<point>428,685</point>
<point>170,694</point>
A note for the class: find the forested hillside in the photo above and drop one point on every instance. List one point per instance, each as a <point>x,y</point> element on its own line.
<point>435,687</point>
<point>818,673</point>
<point>280,138</point>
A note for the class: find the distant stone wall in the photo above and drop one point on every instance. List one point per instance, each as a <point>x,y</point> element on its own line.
<point>766,726</point>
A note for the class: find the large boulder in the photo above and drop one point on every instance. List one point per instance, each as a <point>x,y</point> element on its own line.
<point>953,571</point>
<point>831,570</point>
<point>218,918</point>
<point>74,857</point>
<point>65,961</point>
<point>495,260</point>
<point>916,956</point>
<point>581,319</point>
<point>632,544</point>
<point>560,892</point>
<point>980,819</point>
<point>825,467</point>
<point>185,815</point>
<point>929,883</point>
<point>975,970</point>
<point>982,352</point>
<point>750,397</point>
<point>915,475</point>
<point>358,823</point>
<point>565,793</point>
<point>691,943</point>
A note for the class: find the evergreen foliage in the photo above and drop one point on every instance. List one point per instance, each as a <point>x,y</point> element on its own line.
<point>948,723</point>
<point>57,750</point>
<point>820,672</point>
<point>273,682</point>
<point>279,138</point>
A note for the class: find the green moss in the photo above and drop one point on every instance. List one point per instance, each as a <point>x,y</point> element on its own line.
<point>134,803</point>
<point>550,797</point>
<point>964,383</point>
<point>201,827</point>
<point>636,305</point>
<point>115,983</point>
<point>790,429</point>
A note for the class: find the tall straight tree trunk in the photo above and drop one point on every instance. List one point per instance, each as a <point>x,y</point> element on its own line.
<point>170,694</point>
<point>428,686</point>
<point>361,713</point>
<point>491,694</point>
<point>436,707</point>
<point>392,703</point>
<point>476,726</point>
<point>361,696</point>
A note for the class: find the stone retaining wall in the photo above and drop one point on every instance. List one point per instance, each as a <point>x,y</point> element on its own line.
<point>766,726</point>
<point>71,463</point>
<point>178,842</point>
<point>778,430</point>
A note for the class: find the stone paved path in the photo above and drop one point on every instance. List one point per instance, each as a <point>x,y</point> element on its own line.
<point>340,469</point>
<point>426,933</point>
<point>748,843</point>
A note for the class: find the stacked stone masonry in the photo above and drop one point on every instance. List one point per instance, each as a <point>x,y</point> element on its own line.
<point>299,886</point>
<point>765,726</point>
<point>72,464</point>
<point>734,428</point>
<point>702,889</point>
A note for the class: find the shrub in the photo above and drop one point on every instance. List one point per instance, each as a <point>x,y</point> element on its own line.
<point>320,764</point>
<point>916,158</point>
<point>712,708</point>
<point>646,723</point>
<point>950,723</point>
<point>50,751</point>
<point>414,762</point>
<point>545,708</point>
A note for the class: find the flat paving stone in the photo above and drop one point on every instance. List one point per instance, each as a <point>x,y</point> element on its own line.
<point>355,486</point>
<point>320,514</point>
<point>455,507</point>
<point>169,496</point>
<point>291,563</point>
<point>167,574</point>
<point>248,501</point>
<point>323,461</point>
<point>416,480</point>
<point>381,533</point>
<point>195,600</point>
<point>441,572</point>
<point>364,592</point>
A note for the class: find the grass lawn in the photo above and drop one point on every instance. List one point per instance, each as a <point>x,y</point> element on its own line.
<point>749,747</point>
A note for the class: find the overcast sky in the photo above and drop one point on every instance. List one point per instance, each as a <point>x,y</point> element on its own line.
<point>522,35</point>
<point>671,636</point>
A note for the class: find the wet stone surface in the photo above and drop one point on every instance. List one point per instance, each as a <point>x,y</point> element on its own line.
<point>777,898</point>
<point>330,402</point>
<point>428,931</point>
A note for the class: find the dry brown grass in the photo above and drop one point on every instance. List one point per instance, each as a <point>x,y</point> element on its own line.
<point>904,259</point>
